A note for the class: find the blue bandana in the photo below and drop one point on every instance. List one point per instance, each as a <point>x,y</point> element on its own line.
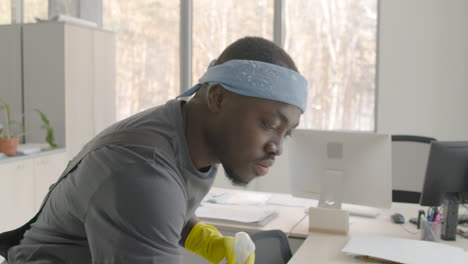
<point>256,79</point>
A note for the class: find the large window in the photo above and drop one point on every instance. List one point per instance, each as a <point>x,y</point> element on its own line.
<point>147,52</point>
<point>216,24</point>
<point>333,43</point>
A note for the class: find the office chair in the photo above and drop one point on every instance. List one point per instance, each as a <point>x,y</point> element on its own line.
<point>409,162</point>
<point>271,247</point>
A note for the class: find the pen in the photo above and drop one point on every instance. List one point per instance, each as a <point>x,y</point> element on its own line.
<point>430,217</point>
<point>431,214</point>
<point>437,218</point>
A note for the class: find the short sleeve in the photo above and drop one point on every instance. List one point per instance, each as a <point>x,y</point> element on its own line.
<point>136,216</point>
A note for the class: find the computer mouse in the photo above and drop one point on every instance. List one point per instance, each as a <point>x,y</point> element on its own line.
<point>398,218</point>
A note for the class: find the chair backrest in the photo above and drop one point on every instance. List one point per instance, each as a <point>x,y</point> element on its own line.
<point>409,161</point>
<point>271,247</point>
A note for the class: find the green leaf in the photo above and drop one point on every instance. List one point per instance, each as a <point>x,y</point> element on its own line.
<point>5,106</point>
<point>44,118</point>
<point>50,131</point>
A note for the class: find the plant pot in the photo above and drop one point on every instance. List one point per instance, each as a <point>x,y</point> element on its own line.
<point>9,145</point>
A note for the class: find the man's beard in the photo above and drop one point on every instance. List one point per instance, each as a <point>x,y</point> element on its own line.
<point>234,178</point>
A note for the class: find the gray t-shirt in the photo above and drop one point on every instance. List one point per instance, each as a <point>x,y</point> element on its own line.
<point>124,203</point>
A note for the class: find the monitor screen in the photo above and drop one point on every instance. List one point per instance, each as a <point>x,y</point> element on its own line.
<point>348,167</point>
<point>446,173</point>
<point>409,161</point>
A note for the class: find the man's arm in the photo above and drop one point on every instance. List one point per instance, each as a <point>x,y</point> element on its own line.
<point>186,230</point>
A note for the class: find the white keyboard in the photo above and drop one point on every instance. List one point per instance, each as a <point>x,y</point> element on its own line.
<point>354,210</point>
<point>358,210</point>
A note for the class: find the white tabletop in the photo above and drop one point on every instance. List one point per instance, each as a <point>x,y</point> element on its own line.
<point>326,248</point>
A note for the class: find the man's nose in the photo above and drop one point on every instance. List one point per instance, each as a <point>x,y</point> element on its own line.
<point>275,147</point>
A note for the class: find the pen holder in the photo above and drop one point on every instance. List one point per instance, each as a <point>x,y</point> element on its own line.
<point>430,231</point>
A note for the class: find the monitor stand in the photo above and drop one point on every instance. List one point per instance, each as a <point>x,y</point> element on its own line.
<point>328,216</point>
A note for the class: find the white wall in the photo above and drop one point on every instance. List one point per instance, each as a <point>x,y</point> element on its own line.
<point>422,68</point>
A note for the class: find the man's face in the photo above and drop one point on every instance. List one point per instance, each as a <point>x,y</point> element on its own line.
<point>251,134</point>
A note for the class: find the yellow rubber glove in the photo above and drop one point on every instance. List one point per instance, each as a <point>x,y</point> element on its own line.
<point>208,242</point>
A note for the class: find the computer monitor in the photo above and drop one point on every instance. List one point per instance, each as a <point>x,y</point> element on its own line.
<point>446,173</point>
<point>446,182</point>
<point>341,167</point>
<point>409,161</point>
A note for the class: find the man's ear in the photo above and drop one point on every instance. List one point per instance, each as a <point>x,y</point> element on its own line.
<point>216,97</point>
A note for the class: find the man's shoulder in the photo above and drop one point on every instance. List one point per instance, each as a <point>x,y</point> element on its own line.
<point>161,115</point>
<point>151,133</point>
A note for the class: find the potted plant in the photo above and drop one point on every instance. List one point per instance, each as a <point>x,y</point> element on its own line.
<point>9,137</point>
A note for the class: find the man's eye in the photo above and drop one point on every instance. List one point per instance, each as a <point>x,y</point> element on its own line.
<point>268,125</point>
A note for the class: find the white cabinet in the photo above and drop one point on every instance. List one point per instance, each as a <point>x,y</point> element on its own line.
<point>67,71</point>
<point>69,74</point>
<point>24,182</point>
<point>16,193</point>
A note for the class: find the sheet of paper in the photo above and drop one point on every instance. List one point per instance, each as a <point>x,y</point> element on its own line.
<point>256,215</point>
<point>405,250</point>
<point>289,200</point>
<point>239,198</point>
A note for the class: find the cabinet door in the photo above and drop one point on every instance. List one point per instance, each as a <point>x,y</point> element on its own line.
<point>44,80</point>
<point>16,193</point>
<point>10,68</point>
<point>47,170</point>
<point>104,79</point>
<point>79,104</point>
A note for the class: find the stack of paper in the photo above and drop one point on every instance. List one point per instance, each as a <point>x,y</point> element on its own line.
<point>252,215</point>
<point>405,250</point>
<point>238,198</point>
<point>289,200</point>
<point>27,149</point>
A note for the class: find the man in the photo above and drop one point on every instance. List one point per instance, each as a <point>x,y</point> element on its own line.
<point>130,195</point>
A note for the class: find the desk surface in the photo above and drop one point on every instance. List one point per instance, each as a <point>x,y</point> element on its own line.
<point>326,248</point>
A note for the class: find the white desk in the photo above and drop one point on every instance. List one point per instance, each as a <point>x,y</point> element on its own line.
<point>326,248</point>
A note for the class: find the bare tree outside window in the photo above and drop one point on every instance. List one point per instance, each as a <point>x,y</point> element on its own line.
<point>334,43</point>
<point>147,52</point>
<point>35,9</point>
<point>216,24</point>
<point>5,12</point>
